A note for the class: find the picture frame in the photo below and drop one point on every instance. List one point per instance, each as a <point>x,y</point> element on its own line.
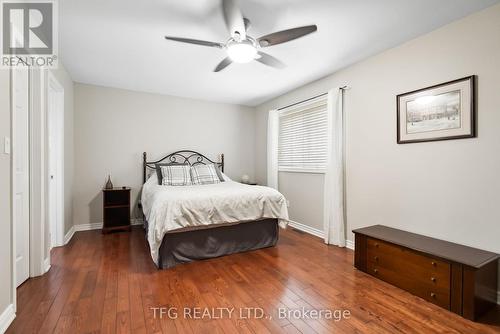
<point>441,112</point>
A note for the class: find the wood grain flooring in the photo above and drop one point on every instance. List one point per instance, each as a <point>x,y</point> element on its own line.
<point>108,284</point>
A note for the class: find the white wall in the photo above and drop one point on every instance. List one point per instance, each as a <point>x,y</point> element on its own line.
<point>304,192</point>
<point>6,297</point>
<point>113,127</point>
<point>448,189</point>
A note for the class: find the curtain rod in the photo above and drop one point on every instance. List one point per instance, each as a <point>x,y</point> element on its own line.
<point>311,98</point>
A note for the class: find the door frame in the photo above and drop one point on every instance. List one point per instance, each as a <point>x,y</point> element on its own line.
<point>37,170</point>
<point>54,87</point>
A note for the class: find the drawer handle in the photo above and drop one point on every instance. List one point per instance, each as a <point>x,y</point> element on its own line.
<point>376,258</point>
<point>433,295</point>
<point>376,245</point>
<point>375,271</point>
<point>434,263</point>
<point>433,279</point>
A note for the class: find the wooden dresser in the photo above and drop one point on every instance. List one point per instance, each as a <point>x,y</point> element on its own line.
<point>116,209</point>
<point>455,277</point>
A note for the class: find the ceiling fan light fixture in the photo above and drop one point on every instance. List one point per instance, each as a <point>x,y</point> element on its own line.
<point>243,48</point>
<point>243,52</point>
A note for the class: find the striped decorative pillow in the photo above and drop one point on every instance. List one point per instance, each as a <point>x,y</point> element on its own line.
<point>176,175</point>
<point>158,167</point>
<point>204,174</point>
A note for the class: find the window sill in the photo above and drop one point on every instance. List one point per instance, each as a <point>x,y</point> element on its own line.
<point>302,170</point>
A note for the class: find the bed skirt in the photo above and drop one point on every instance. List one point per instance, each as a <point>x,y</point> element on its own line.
<point>188,246</point>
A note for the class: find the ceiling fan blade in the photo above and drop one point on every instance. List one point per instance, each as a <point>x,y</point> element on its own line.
<point>233,18</point>
<point>223,64</point>
<point>285,35</point>
<point>195,41</point>
<point>269,60</point>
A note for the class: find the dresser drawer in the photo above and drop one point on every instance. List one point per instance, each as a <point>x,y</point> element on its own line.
<point>421,275</point>
<point>438,281</point>
<point>396,256</point>
<point>436,295</point>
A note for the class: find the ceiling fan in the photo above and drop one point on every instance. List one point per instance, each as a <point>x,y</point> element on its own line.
<point>241,47</point>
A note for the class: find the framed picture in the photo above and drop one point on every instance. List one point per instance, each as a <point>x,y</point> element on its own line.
<point>441,112</point>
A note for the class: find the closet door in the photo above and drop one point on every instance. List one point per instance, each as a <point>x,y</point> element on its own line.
<point>20,164</point>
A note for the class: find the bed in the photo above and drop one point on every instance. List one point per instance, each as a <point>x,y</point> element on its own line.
<point>196,222</point>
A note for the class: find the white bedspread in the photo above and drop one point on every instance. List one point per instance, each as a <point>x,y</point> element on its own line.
<point>171,209</point>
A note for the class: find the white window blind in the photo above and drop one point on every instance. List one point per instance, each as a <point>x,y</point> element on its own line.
<point>303,136</point>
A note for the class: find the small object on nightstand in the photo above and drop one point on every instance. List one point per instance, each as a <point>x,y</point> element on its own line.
<point>245,179</point>
<point>109,184</point>
<point>116,209</point>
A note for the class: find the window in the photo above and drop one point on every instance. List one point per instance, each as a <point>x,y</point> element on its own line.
<point>303,136</point>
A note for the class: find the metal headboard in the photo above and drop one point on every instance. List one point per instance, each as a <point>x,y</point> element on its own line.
<point>180,157</point>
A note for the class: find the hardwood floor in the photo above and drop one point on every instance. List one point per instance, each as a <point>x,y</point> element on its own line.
<point>108,284</point>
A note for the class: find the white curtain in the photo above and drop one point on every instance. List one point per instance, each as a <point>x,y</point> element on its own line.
<point>272,148</point>
<point>334,223</point>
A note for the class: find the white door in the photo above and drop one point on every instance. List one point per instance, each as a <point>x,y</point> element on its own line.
<point>20,151</point>
<point>55,105</point>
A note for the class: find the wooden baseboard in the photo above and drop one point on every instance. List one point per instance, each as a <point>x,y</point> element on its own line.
<point>6,318</point>
<point>88,227</point>
<point>93,226</point>
<point>46,265</point>
<point>318,233</point>
<point>69,235</point>
<point>306,229</point>
<point>98,226</point>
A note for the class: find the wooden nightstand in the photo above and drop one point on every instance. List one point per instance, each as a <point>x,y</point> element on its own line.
<point>116,209</point>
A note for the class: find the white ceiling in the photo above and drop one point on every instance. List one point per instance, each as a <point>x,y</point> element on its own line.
<point>119,43</point>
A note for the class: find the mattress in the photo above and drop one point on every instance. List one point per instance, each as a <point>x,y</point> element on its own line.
<point>174,209</point>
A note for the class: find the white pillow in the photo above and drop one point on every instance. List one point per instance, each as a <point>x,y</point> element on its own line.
<point>204,174</point>
<point>176,175</point>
